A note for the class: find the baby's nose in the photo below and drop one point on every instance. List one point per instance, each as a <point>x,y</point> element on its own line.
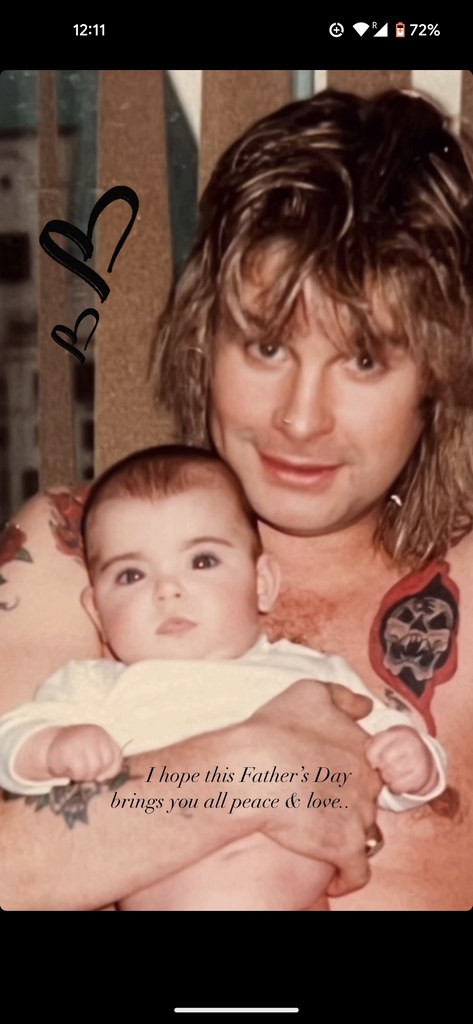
<point>167,587</point>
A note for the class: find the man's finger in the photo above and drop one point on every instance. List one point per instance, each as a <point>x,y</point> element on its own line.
<point>356,705</point>
<point>352,875</point>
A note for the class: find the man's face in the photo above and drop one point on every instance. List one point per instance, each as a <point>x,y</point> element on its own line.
<point>174,577</point>
<point>316,435</point>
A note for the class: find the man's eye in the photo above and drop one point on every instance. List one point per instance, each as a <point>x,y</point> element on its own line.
<point>129,576</point>
<point>364,363</point>
<point>266,351</point>
<point>204,561</point>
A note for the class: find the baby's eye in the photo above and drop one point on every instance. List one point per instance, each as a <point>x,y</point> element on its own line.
<point>129,576</point>
<point>204,561</point>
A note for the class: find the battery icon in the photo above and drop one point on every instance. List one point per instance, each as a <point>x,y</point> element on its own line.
<point>400,30</point>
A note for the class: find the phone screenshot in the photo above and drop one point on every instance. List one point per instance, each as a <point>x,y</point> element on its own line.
<point>236,489</point>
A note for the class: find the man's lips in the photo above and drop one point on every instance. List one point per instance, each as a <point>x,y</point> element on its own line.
<point>298,473</point>
<point>175,625</point>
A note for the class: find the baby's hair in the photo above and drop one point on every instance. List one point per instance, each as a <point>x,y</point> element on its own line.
<point>163,471</point>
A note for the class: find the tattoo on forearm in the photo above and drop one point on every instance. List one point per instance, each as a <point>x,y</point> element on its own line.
<point>12,548</point>
<point>67,509</point>
<point>72,802</point>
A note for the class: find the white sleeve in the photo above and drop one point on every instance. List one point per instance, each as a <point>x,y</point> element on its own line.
<point>72,696</point>
<point>383,717</point>
<point>405,801</point>
<point>308,663</point>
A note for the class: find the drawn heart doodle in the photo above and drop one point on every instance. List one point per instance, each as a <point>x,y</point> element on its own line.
<point>85,244</point>
<point>55,333</point>
<point>84,241</point>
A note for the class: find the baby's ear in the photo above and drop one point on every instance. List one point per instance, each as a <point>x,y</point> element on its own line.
<point>268,580</point>
<point>88,602</point>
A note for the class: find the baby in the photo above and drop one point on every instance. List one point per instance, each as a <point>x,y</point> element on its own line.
<point>177,573</point>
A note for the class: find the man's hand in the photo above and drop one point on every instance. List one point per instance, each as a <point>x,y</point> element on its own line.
<point>304,728</point>
<point>83,753</point>
<point>356,705</point>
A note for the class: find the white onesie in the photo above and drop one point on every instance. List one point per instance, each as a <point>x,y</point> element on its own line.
<point>153,704</point>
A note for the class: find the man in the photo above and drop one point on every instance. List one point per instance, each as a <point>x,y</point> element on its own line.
<point>332,285</point>
<point>329,300</point>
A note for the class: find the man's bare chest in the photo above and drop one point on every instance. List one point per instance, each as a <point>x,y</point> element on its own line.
<point>406,635</point>
<point>409,637</point>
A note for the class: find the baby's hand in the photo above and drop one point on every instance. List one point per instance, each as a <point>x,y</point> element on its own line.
<point>84,752</point>
<point>403,760</point>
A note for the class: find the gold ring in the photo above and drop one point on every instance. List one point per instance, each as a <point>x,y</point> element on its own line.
<point>374,841</point>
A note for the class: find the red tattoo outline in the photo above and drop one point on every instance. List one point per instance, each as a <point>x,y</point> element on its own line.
<point>68,508</point>
<point>407,588</point>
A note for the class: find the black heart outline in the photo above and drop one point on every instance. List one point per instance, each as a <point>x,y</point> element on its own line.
<point>84,241</point>
<point>73,334</point>
<point>117,192</point>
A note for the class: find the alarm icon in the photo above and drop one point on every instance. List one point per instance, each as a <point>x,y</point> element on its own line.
<point>400,30</point>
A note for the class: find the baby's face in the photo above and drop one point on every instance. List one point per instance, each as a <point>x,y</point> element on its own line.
<point>175,577</point>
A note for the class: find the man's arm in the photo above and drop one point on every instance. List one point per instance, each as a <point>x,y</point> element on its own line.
<point>82,847</point>
<point>42,622</point>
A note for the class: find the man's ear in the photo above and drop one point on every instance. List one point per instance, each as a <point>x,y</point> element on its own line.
<point>88,602</point>
<point>268,581</point>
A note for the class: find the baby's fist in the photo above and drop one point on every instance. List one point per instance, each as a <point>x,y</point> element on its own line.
<point>83,753</point>
<point>403,760</point>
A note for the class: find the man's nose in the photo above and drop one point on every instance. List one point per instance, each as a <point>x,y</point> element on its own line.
<point>167,587</point>
<point>307,406</point>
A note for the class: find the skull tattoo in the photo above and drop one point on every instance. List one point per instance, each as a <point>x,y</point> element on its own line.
<point>417,635</point>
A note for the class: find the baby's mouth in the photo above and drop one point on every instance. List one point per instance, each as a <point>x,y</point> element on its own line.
<point>174,625</point>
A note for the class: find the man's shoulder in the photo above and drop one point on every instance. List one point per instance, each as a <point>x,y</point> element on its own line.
<point>460,560</point>
<point>54,515</point>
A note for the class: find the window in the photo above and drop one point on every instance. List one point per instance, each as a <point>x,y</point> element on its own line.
<point>88,435</point>
<point>84,382</point>
<point>29,482</point>
<point>4,495</point>
<point>15,256</point>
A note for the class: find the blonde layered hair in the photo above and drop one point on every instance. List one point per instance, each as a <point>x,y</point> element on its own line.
<point>370,197</point>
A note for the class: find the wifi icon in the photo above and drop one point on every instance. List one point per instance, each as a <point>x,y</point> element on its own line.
<point>361,27</point>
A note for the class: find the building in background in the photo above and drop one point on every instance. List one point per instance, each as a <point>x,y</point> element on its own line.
<point>20,253</point>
